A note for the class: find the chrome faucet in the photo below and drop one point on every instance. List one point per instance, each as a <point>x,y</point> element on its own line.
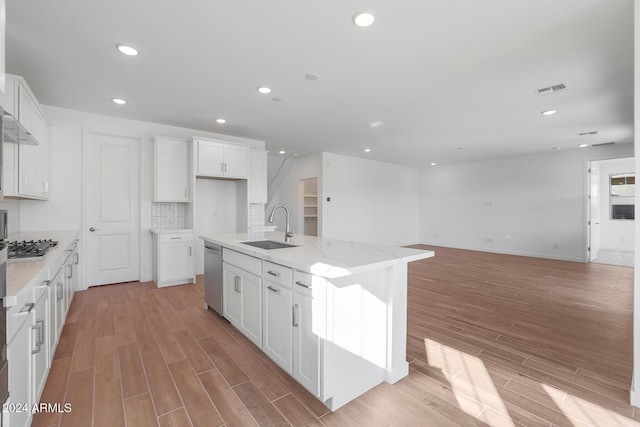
<point>288,233</point>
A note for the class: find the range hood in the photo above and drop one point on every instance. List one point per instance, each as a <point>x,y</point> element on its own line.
<point>15,132</point>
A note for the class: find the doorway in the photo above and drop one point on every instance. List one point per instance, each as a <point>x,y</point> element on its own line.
<point>308,190</point>
<point>611,210</point>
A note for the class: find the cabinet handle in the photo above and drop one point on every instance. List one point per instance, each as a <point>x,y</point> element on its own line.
<point>36,329</point>
<point>27,308</point>
<point>69,271</point>
<point>295,312</point>
<point>271,288</point>
<point>189,250</point>
<point>45,284</point>
<point>59,293</point>
<point>221,167</point>
<point>273,273</point>
<point>176,238</point>
<point>77,259</point>
<point>41,323</point>
<point>236,284</point>
<point>304,285</point>
<point>225,167</point>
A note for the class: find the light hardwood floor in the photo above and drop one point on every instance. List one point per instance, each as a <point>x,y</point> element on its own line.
<point>492,340</point>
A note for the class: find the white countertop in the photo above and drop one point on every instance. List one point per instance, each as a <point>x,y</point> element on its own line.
<point>170,230</point>
<point>328,258</point>
<point>20,274</point>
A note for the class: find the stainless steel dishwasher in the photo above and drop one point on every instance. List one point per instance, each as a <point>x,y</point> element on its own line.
<point>213,277</point>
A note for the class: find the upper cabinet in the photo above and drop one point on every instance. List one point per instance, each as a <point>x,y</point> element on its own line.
<point>219,159</point>
<point>26,159</point>
<point>171,170</point>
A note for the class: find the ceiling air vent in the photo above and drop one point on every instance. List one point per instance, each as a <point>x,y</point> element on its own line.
<point>552,89</point>
<point>603,143</point>
<point>593,132</point>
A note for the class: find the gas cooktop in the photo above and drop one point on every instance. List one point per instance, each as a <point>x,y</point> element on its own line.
<point>30,249</point>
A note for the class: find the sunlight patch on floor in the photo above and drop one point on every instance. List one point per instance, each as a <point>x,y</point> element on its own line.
<point>474,389</point>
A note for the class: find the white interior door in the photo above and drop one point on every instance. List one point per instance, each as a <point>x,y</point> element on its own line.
<point>594,210</point>
<point>111,207</point>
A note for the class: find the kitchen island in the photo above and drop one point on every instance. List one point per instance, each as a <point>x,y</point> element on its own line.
<point>331,313</point>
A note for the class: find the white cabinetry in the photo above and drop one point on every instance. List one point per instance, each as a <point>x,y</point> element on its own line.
<point>20,385</point>
<point>40,341</point>
<point>221,159</point>
<point>171,170</point>
<point>257,182</point>
<point>173,258</point>
<point>241,294</point>
<point>277,314</point>
<point>26,158</point>
<point>306,332</point>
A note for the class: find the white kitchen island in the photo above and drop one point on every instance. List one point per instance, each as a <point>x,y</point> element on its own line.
<point>331,313</point>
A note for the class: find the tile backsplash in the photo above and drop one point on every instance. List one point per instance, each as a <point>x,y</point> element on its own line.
<point>256,214</point>
<point>168,215</point>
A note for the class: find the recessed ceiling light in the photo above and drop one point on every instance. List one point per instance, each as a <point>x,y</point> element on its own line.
<point>549,112</point>
<point>221,121</point>
<point>433,163</point>
<point>363,19</point>
<point>311,76</point>
<point>127,50</point>
<point>282,152</point>
<point>376,124</point>
<point>367,150</point>
<point>556,148</point>
<point>264,90</point>
<point>583,145</point>
<point>119,101</point>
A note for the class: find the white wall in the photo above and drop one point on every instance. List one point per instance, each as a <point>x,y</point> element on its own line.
<point>635,385</point>
<point>215,213</point>
<point>63,210</point>
<point>371,201</point>
<point>616,234</point>
<point>287,194</point>
<point>533,205</point>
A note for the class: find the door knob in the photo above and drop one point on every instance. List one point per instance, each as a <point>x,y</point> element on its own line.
<point>92,229</point>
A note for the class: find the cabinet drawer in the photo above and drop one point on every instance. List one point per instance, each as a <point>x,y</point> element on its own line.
<point>19,313</point>
<point>277,274</point>
<point>175,237</point>
<point>245,262</point>
<point>303,282</point>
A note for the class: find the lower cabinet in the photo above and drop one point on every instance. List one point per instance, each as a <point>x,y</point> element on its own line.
<point>173,258</point>
<point>306,340</point>
<point>20,376</point>
<point>277,324</point>
<point>242,302</point>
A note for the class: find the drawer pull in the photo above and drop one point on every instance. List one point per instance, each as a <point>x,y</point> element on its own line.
<point>304,285</point>
<point>40,323</point>
<point>36,329</point>
<point>273,273</point>
<point>236,284</point>
<point>45,284</point>
<point>271,288</point>
<point>27,308</point>
<point>59,294</point>
<point>176,238</point>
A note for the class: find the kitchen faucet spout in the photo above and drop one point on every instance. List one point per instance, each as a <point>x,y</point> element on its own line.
<point>288,233</point>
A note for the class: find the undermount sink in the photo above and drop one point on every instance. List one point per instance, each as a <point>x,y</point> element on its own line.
<point>269,244</point>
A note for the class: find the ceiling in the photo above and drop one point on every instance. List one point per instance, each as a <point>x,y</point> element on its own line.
<point>449,80</point>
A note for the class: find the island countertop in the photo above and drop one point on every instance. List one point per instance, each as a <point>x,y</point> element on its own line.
<point>330,258</point>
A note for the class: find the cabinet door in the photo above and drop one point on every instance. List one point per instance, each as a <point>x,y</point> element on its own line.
<point>39,356</point>
<point>277,324</point>
<point>306,345</point>
<point>19,357</point>
<point>58,290</point>
<point>52,331</point>
<point>231,295</point>
<point>257,181</point>
<point>210,159</point>
<point>171,170</point>
<point>175,261</point>
<point>251,291</point>
<point>236,161</point>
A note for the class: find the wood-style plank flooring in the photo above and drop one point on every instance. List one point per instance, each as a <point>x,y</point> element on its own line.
<point>492,340</point>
